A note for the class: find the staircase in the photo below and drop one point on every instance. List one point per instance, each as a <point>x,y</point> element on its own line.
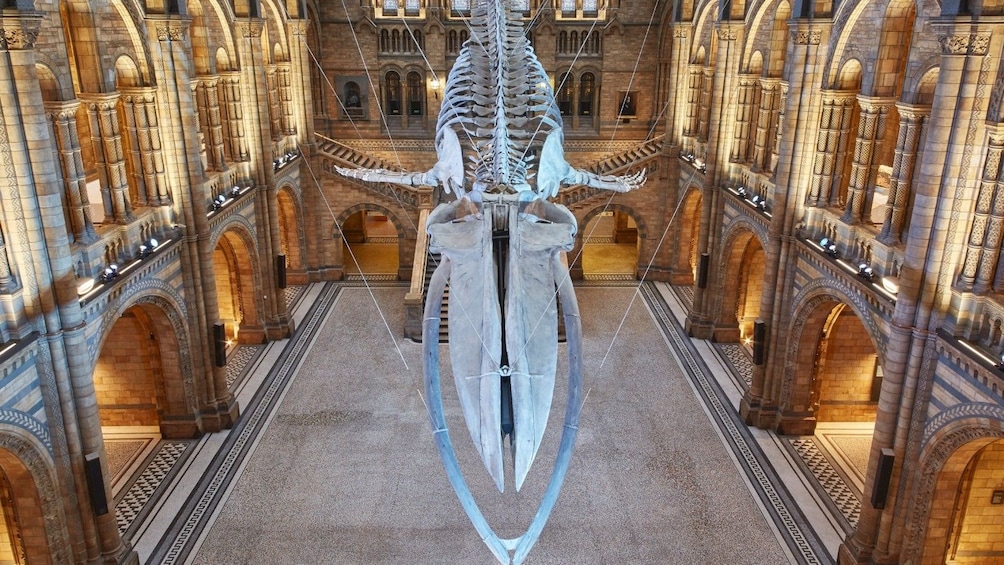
<point>630,160</point>
<point>346,156</point>
<point>431,262</point>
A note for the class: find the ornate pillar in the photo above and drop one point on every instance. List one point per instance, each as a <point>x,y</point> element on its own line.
<point>766,124</point>
<point>207,99</point>
<point>746,118</point>
<point>285,95</point>
<point>139,107</point>
<point>704,105</point>
<point>272,95</point>
<point>235,139</point>
<point>912,129</point>
<point>831,146</point>
<point>782,107</point>
<point>302,95</point>
<point>871,132</point>
<point>62,116</point>
<point>984,242</point>
<point>695,74</point>
<point>109,154</point>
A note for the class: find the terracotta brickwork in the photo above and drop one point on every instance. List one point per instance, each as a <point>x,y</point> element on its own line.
<point>847,373</point>
<point>124,376</point>
<point>980,535</point>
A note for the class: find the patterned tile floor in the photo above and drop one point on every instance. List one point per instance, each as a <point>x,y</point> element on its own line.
<point>133,503</point>
<point>136,502</point>
<point>237,361</point>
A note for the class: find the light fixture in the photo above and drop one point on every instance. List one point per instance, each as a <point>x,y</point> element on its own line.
<point>153,244</point>
<point>824,243</point>
<point>434,83</point>
<point>84,286</point>
<point>891,284</point>
<point>763,205</point>
<point>755,199</point>
<point>865,271</point>
<point>143,250</point>
<point>741,190</point>
<point>235,190</point>
<point>110,272</point>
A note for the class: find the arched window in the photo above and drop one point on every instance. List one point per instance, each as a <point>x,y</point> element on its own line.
<point>353,98</point>
<point>395,40</point>
<point>562,42</point>
<point>460,8</point>
<point>587,92</point>
<point>393,93</point>
<point>452,42</point>
<point>564,94</point>
<point>416,94</point>
<point>384,40</point>
<point>418,44</point>
<point>464,36</point>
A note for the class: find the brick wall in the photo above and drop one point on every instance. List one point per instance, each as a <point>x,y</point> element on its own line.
<point>981,532</point>
<point>846,373</point>
<point>124,376</point>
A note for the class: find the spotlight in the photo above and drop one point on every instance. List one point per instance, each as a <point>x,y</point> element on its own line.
<point>866,272</point>
<point>755,199</point>
<point>741,190</point>
<point>235,190</point>
<point>110,272</point>
<point>824,243</point>
<point>763,205</point>
<point>84,286</point>
<point>153,244</point>
<point>831,250</point>
<point>143,251</point>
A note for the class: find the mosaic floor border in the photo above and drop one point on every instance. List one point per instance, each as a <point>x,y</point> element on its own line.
<point>145,487</point>
<point>828,479</point>
<point>176,544</point>
<point>781,508</point>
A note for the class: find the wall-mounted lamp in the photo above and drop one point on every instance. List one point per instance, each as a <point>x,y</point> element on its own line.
<point>890,284</point>
<point>434,85</point>
<point>110,272</point>
<point>828,246</point>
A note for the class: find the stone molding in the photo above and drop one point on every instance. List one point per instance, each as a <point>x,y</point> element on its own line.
<point>19,32</point>
<point>250,28</point>
<point>28,423</point>
<point>965,44</point>
<point>806,36</point>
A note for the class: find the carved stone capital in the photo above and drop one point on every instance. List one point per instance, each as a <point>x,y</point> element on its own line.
<point>250,28</point>
<point>913,111</point>
<point>138,94</point>
<point>680,32</point>
<point>103,102</point>
<point>19,32</point>
<point>726,33</point>
<point>806,36</point>
<point>298,27</point>
<point>965,43</point>
<point>171,29</point>
<point>61,109</point>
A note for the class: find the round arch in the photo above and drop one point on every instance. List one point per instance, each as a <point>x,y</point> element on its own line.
<point>812,311</point>
<point>29,470</point>
<point>590,215</point>
<point>237,270</point>
<point>942,465</point>
<point>291,233</point>
<point>404,235</point>
<point>743,256</point>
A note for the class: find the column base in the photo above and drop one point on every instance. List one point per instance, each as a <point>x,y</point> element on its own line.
<point>726,335</point>
<point>179,427</point>
<point>698,327</point>
<point>280,328</point>
<point>758,415</point>
<point>850,553</point>
<point>796,424</point>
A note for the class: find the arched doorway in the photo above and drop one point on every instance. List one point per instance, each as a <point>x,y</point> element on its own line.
<point>24,535</point>
<point>834,382</point>
<point>977,518</point>
<point>237,300</point>
<point>140,388</point>
<point>289,235</point>
<point>610,245</point>
<point>370,245</point>
<point>688,248</point>
<point>742,287</point>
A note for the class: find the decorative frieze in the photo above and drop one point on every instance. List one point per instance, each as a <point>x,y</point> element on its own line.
<point>965,44</point>
<point>19,32</point>
<point>806,36</point>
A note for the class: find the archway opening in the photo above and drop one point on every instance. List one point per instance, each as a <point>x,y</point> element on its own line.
<point>610,247</point>
<point>289,236</point>
<point>834,401</point>
<point>235,291</point>
<point>370,246</point>
<point>140,389</point>
<point>742,289</point>
<point>967,510</point>
<point>22,525</point>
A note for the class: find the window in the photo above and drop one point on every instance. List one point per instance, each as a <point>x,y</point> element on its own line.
<point>398,41</point>
<point>564,94</point>
<point>584,43</point>
<point>460,8</point>
<point>455,41</point>
<point>416,94</point>
<point>393,9</point>
<point>587,90</point>
<point>393,93</point>
<point>580,9</point>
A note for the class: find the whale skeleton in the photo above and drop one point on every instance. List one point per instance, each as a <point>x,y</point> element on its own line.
<point>502,244</point>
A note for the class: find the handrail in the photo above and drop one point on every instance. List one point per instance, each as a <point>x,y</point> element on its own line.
<point>415,292</point>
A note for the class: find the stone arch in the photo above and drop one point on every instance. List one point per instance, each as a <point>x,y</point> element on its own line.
<point>921,91</point>
<point>810,311</point>
<point>199,33</point>
<point>277,29</point>
<point>32,477</point>
<point>237,254</point>
<point>400,227</point>
<point>941,464</point>
<point>54,86</point>
<point>703,50</point>
<point>291,230</point>
<point>132,21</point>
<point>127,73</point>
<point>580,235</point>
<point>160,312</point>
<point>690,230</point>
<point>893,49</point>
<point>741,243</point>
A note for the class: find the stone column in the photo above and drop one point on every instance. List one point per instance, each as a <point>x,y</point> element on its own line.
<point>109,154</point>
<point>925,285</point>
<point>760,406</point>
<point>39,238</point>
<point>302,95</point>
<point>285,96</point>
<point>871,133</point>
<point>272,96</point>
<point>912,121</point>
<point>984,243</point>
<point>766,124</point>
<point>62,116</point>
<point>235,141</point>
<point>775,145</point>
<point>695,74</point>
<point>676,104</point>
<point>207,98</point>
<point>746,118</point>
<point>139,106</point>
<point>831,147</point>
<point>704,104</point>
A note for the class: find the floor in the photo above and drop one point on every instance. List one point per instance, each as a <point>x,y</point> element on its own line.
<point>327,467</point>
